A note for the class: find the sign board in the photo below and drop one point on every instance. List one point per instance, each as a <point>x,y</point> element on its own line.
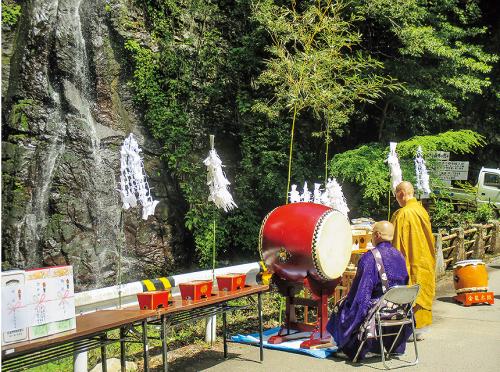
<point>451,170</point>
<point>438,155</point>
<point>451,175</point>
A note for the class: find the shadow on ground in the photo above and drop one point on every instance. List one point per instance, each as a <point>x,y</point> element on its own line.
<point>447,299</point>
<point>193,363</point>
<point>376,362</point>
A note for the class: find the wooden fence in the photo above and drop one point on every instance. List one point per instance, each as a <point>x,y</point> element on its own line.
<point>462,244</point>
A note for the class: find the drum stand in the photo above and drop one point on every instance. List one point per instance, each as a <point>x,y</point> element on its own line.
<point>470,298</point>
<point>293,329</point>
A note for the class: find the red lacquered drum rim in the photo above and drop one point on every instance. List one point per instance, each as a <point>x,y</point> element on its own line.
<point>261,233</point>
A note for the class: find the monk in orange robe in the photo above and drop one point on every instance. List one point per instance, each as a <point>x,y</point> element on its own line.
<point>413,238</point>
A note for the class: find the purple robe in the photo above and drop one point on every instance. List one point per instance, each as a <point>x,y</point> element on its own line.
<point>365,290</point>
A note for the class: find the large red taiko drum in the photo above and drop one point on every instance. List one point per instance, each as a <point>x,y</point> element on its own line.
<point>470,276</point>
<point>302,240</point>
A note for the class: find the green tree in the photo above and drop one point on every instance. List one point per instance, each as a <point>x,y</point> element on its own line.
<point>315,64</point>
<point>433,49</point>
<point>366,167</point>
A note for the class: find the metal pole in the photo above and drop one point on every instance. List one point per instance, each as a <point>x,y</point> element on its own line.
<point>261,336</point>
<point>80,362</point>
<point>211,329</point>
<point>164,342</point>
<point>123,363</point>
<point>224,335</point>
<point>103,352</point>
<point>145,345</point>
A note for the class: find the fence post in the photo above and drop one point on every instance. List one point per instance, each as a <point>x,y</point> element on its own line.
<point>440,265</point>
<point>479,243</point>
<point>495,237</point>
<point>460,245</point>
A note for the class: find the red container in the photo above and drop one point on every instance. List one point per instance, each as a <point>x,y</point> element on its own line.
<point>153,300</point>
<point>231,282</point>
<point>196,289</point>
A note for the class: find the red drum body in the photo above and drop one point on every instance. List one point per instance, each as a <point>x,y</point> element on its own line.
<point>302,240</point>
<point>470,276</point>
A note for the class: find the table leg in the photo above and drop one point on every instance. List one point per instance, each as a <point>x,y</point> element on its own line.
<point>261,336</point>
<point>122,349</point>
<point>164,342</point>
<point>145,345</point>
<point>224,334</point>
<point>104,337</point>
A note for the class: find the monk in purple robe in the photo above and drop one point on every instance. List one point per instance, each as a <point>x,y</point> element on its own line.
<point>365,291</point>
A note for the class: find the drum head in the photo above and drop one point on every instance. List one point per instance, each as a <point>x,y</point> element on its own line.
<point>332,245</point>
<point>467,263</point>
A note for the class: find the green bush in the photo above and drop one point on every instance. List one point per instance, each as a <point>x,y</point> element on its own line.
<point>445,216</point>
<point>10,12</point>
<point>484,213</point>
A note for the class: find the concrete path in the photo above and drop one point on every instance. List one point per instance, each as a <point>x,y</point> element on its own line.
<point>461,339</point>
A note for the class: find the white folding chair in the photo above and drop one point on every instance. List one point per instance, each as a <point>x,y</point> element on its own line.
<point>395,308</point>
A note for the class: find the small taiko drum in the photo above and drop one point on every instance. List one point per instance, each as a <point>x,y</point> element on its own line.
<point>302,240</point>
<point>470,276</point>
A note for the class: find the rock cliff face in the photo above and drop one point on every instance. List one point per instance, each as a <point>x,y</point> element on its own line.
<point>66,111</point>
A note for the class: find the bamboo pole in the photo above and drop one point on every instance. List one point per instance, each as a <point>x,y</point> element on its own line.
<point>291,152</point>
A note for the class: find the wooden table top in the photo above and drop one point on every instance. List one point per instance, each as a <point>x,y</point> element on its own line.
<point>86,325</point>
<point>179,304</point>
<point>104,320</point>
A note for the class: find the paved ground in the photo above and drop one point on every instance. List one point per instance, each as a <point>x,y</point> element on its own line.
<point>461,339</point>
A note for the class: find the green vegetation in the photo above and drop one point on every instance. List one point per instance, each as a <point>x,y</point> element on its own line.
<point>366,165</point>
<point>300,86</point>
<point>18,118</point>
<point>11,11</point>
<point>445,216</point>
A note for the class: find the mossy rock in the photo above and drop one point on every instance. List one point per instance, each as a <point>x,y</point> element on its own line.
<point>19,115</point>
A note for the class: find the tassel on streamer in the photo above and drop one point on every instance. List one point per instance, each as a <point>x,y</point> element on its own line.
<point>218,183</point>
<point>393,161</point>
<point>133,179</point>
<point>421,173</point>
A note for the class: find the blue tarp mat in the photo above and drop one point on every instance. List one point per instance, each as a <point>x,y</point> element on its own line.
<point>290,346</point>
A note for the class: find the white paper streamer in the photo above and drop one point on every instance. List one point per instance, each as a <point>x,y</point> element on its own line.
<point>333,197</point>
<point>294,195</point>
<point>133,179</point>
<point>317,193</point>
<point>306,194</point>
<point>217,182</point>
<point>392,160</point>
<point>421,173</point>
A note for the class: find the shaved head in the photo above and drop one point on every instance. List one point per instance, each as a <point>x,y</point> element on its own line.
<point>404,192</point>
<point>383,231</point>
<point>405,186</point>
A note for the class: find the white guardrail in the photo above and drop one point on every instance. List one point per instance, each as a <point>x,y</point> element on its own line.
<point>109,297</point>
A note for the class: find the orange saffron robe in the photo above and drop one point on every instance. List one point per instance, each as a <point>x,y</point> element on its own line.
<point>413,238</point>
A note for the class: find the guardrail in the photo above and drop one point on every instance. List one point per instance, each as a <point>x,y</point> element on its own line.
<point>125,295</point>
<point>462,244</point>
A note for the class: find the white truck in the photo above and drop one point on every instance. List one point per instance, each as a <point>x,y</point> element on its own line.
<point>486,190</point>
